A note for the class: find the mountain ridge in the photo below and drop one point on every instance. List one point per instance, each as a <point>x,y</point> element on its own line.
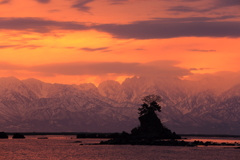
<point>187,107</point>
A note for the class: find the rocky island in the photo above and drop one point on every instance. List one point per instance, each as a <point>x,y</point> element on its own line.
<point>151,129</point>
<point>18,136</point>
<point>3,135</point>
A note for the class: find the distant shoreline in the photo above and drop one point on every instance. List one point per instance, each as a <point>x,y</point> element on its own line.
<point>208,135</point>
<point>108,133</point>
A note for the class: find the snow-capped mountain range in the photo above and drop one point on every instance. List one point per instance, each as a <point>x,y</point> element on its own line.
<point>207,106</point>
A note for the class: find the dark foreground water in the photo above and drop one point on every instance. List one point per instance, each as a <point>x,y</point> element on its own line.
<point>65,148</point>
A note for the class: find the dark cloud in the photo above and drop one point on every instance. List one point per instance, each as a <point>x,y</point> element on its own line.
<point>217,4</point>
<point>190,0</point>
<point>20,46</point>
<point>140,49</point>
<point>94,49</point>
<point>38,25</point>
<point>197,69</point>
<point>70,47</point>
<point>226,3</point>
<point>173,27</point>
<point>202,50</point>
<point>150,29</point>
<point>43,1</point>
<point>28,46</point>
<point>182,9</point>
<point>81,5</point>
<point>7,46</point>
<point>195,19</point>
<point>4,1</point>
<point>115,2</point>
<point>54,10</point>
<point>157,68</point>
<point>214,4</point>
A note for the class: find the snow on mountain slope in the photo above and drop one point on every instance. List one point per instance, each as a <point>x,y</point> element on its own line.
<point>187,106</point>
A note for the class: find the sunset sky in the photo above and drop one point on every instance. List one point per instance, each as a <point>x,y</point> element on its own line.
<point>79,41</point>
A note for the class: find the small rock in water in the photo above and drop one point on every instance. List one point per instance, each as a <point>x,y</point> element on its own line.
<point>3,135</point>
<point>18,135</point>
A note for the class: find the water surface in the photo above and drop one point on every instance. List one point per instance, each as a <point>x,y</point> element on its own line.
<point>66,148</point>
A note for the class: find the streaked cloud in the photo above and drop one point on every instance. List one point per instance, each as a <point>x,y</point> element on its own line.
<point>186,6</point>
<point>140,49</point>
<point>202,50</point>
<point>157,68</point>
<point>28,46</point>
<point>94,49</point>
<point>5,1</point>
<point>20,46</point>
<point>196,69</point>
<point>43,1</point>
<point>185,9</point>
<point>7,46</point>
<point>54,10</point>
<point>38,24</point>
<point>226,3</point>
<point>9,66</point>
<point>171,27</point>
<point>81,5</point>
<point>181,9</point>
<point>157,28</point>
<point>115,2</point>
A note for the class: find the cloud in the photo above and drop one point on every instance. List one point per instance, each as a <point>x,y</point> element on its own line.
<point>8,66</point>
<point>20,46</point>
<point>81,5</point>
<point>191,0</point>
<point>5,1</point>
<point>226,3</point>
<point>181,9</point>
<point>157,28</point>
<point>196,69</point>
<point>153,69</point>
<point>7,46</point>
<point>43,1</point>
<point>201,50</point>
<point>54,10</point>
<point>217,4</point>
<point>38,24</point>
<point>140,49</point>
<point>173,27</point>
<point>28,46</point>
<point>115,2</point>
<point>94,49</point>
<point>214,4</point>
<point>188,9</point>
<point>187,6</point>
<point>70,47</point>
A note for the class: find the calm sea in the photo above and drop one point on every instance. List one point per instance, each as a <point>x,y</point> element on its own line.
<point>66,148</point>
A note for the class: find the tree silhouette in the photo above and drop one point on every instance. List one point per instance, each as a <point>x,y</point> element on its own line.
<point>150,104</point>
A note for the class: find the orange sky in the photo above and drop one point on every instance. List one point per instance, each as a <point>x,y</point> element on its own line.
<point>79,41</point>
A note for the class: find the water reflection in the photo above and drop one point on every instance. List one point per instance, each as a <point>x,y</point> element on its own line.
<point>64,147</point>
<point>214,139</point>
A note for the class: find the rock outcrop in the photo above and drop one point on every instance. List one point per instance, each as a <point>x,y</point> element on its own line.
<point>150,132</point>
<point>151,127</point>
<point>3,135</point>
<point>18,135</point>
